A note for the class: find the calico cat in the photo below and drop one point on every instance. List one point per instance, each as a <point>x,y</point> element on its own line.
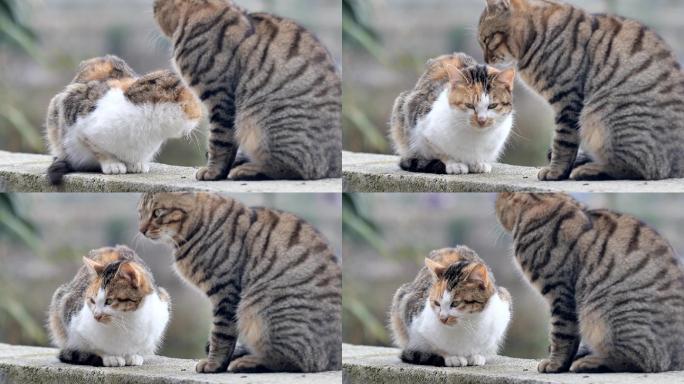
<point>109,120</point>
<point>273,281</point>
<point>612,282</point>
<point>112,313</point>
<point>615,85</point>
<point>452,313</point>
<point>457,118</point>
<point>271,87</point>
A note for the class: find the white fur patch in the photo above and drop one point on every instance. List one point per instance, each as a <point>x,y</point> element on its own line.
<point>132,133</point>
<point>474,337</point>
<point>128,336</point>
<point>447,134</point>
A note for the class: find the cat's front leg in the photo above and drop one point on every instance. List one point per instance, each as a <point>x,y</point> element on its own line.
<point>222,147</point>
<point>480,167</point>
<point>566,143</point>
<point>138,168</point>
<point>456,361</point>
<point>456,168</point>
<point>222,339</point>
<point>565,339</point>
<point>113,167</point>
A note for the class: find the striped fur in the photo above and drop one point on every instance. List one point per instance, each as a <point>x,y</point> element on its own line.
<point>611,281</point>
<point>615,85</point>
<point>270,86</point>
<point>467,82</point>
<point>272,279</point>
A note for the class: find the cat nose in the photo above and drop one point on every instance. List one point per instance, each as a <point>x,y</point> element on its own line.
<point>99,317</point>
<point>142,228</point>
<point>481,120</point>
<point>444,320</point>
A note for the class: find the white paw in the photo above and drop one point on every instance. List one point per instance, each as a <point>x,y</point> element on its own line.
<point>457,169</point>
<point>113,168</point>
<point>134,360</point>
<point>139,168</point>
<point>113,361</point>
<point>480,168</point>
<point>476,360</point>
<point>455,361</point>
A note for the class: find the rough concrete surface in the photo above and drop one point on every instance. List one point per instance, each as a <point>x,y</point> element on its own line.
<point>381,173</point>
<point>19,364</point>
<point>21,172</point>
<point>373,365</point>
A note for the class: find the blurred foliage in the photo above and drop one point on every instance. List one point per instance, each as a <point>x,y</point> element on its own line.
<point>18,36</point>
<point>13,314</point>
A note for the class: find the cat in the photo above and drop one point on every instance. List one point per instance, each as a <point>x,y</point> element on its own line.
<point>272,279</point>
<point>611,281</point>
<point>452,314</point>
<point>615,85</point>
<point>271,87</point>
<point>112,313</point>
<point>110,121</point>
<point>457,118</point>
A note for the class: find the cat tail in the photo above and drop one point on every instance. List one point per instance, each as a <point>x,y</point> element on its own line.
<point>421,358</point>
<point>57,170</point>
<point>72,356</point>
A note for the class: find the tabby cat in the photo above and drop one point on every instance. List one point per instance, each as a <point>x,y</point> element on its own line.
<point>452,313</point>
<point>457,118</point>
<point>110,119</point>
<point>615,85</point>
<point>272,279</point>
<point>613,283</point>
<point>271,87</point>
<point>112,313</point>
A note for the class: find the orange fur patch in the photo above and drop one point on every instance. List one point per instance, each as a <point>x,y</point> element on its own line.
<point>191,107</point>
<point>250,328</point>
<point>122,84</point>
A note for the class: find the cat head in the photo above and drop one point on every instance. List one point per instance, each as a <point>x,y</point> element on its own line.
<point>511,205</point>
<point>169,217</point>
<point>169,13</point>
<point>483,93</point>
<point>164,87</point>
<point>502,29</point>
<point>459,289</point>
<point>103,68</point>
<point>118,283</point>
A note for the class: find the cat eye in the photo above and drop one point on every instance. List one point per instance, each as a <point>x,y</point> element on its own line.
<point>493,106</point>
<point>92,301</point>
<point>436,303</point>
<point>108,302</point>
<point>455,304</point>
<point>470,106</point>
<point>158,212</point>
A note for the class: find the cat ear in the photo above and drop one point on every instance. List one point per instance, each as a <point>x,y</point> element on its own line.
<point>493,5</point>
<point>435,268</point>
<point>456,77</point>
<point>479,275</point>
<point>130,273</point>
<point>507,78</point>
<point>93,265</point>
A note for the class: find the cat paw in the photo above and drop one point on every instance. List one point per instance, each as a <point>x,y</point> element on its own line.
<point>208,366</point>
<point>113,168</point>
<point>113,361</point>
<point>477,360</point>
<point>480,168</point>
<point>247,364</point>
<point>457,169</point>
<point>248,172</point>
<point>139,168</point>
<point>590,364</point>
<point>455,361</point>
<point>210,174</point>
<point>551,366</point>
<point>590,172</point>
<point>552,174</point>
<point>135,360</point>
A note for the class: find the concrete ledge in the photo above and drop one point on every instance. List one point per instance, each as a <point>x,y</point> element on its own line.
<point>373,365</point>
<point>21,172</point>
<point>381,173</point>
<point>33,365</point>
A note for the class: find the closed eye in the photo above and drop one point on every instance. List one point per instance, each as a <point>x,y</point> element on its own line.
<point>436,303</point>
<point>470,106</point>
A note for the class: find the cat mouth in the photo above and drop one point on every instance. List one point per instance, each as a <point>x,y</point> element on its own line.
<point>103,319</point>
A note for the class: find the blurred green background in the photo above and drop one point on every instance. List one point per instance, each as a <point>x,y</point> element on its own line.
<point>387,42</point>
<point>44,236</point>
<point>42,42</point>
<point>387,236</point>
